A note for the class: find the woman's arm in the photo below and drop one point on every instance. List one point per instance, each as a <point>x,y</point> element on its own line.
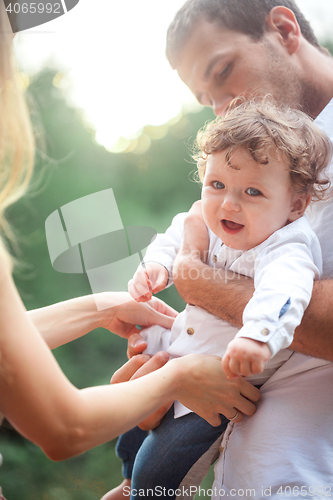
<point>66,321</point>
<point>39,401</point>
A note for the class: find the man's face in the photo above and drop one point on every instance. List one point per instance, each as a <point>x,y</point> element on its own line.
<point>219,64</point>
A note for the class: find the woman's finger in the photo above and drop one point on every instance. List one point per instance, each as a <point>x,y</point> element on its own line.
<point>158,318</point>
<point>154,363</point>
<point>249,391</point>
<point>127,371</point>
<point>163,308</point>
<point>236,417</point>
<point>135,345</point>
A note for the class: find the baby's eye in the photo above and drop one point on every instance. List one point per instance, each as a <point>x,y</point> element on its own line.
<point>253,192</point>
<point>218,185</point>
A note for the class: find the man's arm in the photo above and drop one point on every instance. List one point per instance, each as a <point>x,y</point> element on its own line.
<point>314,336</point>
<point>226,294</point>
<point>222,293</point>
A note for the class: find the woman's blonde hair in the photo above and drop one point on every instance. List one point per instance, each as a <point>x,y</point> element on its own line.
<point>16,137</point>
<point>265,128</point>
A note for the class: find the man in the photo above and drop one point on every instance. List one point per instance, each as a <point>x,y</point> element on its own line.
<point>222,49</point>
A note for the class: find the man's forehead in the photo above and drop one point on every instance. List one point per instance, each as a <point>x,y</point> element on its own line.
<point>198,58</point>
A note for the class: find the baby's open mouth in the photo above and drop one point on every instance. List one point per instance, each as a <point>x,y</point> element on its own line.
<point>231,227</point>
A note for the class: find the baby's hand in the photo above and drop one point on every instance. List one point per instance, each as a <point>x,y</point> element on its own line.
<point>148,279</point>
<point>245,357</point>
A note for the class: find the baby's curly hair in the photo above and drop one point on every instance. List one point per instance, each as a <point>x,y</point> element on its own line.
<point>265,128</point>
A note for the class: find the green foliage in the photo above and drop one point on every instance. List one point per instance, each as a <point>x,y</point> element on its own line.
<point>150,189</point>
<point>28,474</point>
<point>328,44</point>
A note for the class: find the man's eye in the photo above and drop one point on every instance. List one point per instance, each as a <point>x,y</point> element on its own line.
<point>225,72</point>
<point>218,185</point>
<point>253,192</point>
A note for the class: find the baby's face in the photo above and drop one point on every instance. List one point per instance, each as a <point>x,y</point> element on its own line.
<point>244,202</point>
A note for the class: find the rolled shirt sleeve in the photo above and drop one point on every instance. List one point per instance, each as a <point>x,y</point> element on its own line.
<point>284,275</point>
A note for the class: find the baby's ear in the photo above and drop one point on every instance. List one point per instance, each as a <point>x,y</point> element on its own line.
<point>299,205</point>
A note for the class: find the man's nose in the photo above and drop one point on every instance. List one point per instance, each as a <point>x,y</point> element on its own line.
<point>220,105</point>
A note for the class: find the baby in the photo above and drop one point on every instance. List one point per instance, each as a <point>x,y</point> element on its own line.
<point>260,166</point>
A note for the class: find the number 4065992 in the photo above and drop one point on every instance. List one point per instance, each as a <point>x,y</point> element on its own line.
<point>34,8</point>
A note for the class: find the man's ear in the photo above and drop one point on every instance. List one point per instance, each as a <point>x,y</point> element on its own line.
<point>299,205</point>
<point>283,21</point>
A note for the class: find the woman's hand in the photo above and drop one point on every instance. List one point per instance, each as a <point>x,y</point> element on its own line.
<point>204,388</point>
<point>66,321</point>
<point>205,385</point>
<point>136,367</point>
<point>126,314</point>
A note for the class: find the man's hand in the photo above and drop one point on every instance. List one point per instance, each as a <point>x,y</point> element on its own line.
<point>123,319</point>
<point>136,367</point>
<point>148,279</point>
<point>245,357</point>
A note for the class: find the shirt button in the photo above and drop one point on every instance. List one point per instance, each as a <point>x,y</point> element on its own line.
<point>264,331</point>
<point>214,258</point>
<point>190,331</point>
<point>221,448</point>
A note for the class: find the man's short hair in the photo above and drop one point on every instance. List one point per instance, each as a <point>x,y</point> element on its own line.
<point>268,130</point>
<point>244,16</point>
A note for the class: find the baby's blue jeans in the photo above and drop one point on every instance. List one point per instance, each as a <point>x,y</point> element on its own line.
<point>157,462</point>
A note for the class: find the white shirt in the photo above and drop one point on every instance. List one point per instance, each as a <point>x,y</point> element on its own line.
<point>288,443</point>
